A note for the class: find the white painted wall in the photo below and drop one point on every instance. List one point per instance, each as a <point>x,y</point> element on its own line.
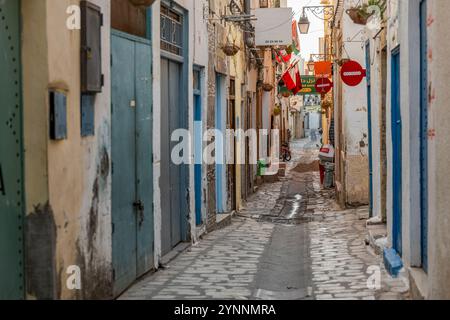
<point>354,117</point>
<point>406,35</point>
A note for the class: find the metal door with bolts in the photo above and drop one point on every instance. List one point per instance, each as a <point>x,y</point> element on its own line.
<point>424,133</point>
<point>11,177</point>
<point>396,126</point>
<point>132,176</point>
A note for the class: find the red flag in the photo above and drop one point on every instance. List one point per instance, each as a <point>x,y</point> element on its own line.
<point>299,85</point>
<point>277,57</point>
<point>288,81</point>
<point>285,56</point>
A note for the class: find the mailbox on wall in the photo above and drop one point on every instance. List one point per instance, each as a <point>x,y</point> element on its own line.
<point>58,115</point>
<point>91,53</point>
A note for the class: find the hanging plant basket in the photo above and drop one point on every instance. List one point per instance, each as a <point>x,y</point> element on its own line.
<point>286,94</point>
<point>142,3</point>
<point>267,87</point>
<point>358,15</point>
<point>230,49</point>
<point>277,110</point>
<point>341,62</point>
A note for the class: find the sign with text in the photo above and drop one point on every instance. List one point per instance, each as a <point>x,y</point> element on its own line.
<point>273,26</point>
<point>309,85</point>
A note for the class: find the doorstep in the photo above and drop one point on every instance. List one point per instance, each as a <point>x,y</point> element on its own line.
<point>179,249</point>
<point>418,280</point>
<point>224,219</point>
<point>377,237</point>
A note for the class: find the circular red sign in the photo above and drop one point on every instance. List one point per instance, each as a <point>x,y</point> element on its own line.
<point>323,85</point>
<point>352,73</point>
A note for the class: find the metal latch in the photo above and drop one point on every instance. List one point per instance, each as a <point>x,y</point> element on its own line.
<point>139,207</point>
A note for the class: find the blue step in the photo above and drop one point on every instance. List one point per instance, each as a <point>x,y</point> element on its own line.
<point>392,262</point>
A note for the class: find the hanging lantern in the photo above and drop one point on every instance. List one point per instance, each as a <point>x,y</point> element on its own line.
<point>304,24</point>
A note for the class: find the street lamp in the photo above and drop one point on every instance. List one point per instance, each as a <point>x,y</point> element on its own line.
<point>304,24</point>
<point>326,11</point>
<point>311,65</point>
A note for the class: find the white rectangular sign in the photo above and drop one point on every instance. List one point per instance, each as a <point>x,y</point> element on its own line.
<point>273,26</point>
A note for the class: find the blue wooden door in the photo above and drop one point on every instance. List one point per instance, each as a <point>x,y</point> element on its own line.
<point>11,191</point>
<point>424,134</point>
<point>198,155</point>
<point>369,121</point>
<point>397,151</point>
<point>132,212</point>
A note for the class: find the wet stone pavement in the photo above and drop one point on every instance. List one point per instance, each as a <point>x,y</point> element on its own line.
<point>290,242</point>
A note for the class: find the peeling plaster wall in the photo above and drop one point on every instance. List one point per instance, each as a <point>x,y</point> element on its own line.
<point>376,82</point>
<point>403,28</point>
<point>439,149</point>
<point>355,126</point>
<point>74,178</point>
<point>200,53</point>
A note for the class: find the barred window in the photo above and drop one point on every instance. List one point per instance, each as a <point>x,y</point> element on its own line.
<point>171,31</point>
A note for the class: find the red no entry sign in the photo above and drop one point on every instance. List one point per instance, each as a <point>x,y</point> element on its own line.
<point>323,85</point>
<point>352,73</point>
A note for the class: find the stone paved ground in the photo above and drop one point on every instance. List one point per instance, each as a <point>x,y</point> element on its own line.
<point>291,241</point>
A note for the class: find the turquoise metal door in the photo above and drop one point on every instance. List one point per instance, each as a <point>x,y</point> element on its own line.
<point>424,133</point>
<point>11,190</point>
<point>132,199</point>
<point>397,152</point>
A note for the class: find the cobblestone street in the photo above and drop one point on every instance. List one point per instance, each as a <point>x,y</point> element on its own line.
<point>291,241</point>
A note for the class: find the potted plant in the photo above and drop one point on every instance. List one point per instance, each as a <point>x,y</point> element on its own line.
<point>230,49</point>
<point>277,110</point>
<point>267,87</point>
<point>361,13</point>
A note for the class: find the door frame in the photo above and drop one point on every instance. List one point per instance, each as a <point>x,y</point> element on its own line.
<point>424,135</point>
<point>396,127</point>
<point>198,150</point>
<point>369,122</point>
<point>183,60</point>
<point>220,115</point>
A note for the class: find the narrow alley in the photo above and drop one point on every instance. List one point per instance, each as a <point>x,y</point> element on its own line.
<point>290,242</point>
<point>224,149</point>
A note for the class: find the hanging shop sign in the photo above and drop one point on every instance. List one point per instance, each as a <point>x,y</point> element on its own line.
<point>352,73</point>
<point>308,85</point>
<point>273,26</point>
<point>322,69</point>
<point>323,85</point>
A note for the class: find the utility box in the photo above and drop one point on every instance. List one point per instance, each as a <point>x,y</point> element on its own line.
<point>91,53</point>
<point>58,115</point>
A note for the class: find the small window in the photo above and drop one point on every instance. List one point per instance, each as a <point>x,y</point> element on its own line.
<point>197,80</point>
<point>171,31</point>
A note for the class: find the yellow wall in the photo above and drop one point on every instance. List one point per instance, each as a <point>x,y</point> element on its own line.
<point>69,180</point>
